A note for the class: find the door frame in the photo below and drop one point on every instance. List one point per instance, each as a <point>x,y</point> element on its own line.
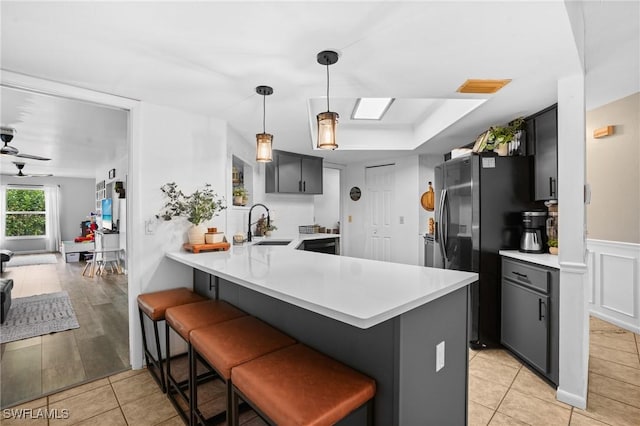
<point>52,88</point>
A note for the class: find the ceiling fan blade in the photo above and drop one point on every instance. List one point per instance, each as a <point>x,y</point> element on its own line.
<point>8,150</point>
<point>32,157</point>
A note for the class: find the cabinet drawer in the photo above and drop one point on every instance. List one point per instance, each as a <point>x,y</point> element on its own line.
<point>523,273</point>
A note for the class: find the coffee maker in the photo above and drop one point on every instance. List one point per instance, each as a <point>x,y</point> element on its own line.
<point>533,229</point>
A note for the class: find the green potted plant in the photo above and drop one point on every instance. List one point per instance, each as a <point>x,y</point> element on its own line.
<point>500,136</point>
<point>553,245</point>
<point>201,206</point>
<point>239,196</point>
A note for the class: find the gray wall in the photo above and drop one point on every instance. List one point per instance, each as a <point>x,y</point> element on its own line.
<point>77,200</point>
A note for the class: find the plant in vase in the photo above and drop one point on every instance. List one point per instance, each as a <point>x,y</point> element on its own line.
<point>264,229</point>
<point>553,245</point>
<point>500,136</point>
<point>201,206</point>
<point>240,196</point>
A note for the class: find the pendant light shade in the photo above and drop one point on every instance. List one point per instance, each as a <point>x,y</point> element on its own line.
<point>327,121</point>
<point>327,130</point>
<point>264,140</point>
<point>263,147</point>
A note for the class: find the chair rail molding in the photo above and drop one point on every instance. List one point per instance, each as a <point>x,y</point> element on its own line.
<point>614,282</point>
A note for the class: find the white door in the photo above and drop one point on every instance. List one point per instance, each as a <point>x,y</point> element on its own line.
<point>379,182</point>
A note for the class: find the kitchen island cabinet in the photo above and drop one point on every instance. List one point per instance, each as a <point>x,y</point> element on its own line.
<point>383,319</point>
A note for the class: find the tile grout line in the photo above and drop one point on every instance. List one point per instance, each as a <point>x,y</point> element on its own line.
<point>505,394</point>
<point>613,399</point>
<point>118,401</point>
<point>618,363</point>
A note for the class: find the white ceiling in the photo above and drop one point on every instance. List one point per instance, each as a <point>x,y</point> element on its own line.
<point>208,57</point>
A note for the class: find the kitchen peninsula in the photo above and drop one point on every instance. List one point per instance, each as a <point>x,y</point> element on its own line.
<point>387,320</point>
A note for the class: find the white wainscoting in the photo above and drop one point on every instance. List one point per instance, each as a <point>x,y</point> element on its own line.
<point>614,282</point>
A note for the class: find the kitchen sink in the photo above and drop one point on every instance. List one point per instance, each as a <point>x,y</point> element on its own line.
<point>273,243</point>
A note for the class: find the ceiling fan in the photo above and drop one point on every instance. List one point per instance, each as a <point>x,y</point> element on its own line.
<point>6,135</point>
<point>20,166</point>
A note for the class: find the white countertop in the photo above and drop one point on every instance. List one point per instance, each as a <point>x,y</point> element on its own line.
<point>358,292</point>
<point>544,259</point>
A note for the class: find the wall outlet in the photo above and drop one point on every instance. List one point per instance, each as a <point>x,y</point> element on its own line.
<point>440,356</point>
<point>349,218</point>
<point>401,220</point>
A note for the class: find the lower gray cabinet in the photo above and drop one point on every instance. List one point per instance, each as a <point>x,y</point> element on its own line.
<point>530,315</point>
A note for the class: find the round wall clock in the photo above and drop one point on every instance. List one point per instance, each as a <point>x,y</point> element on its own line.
<point>355,193</point>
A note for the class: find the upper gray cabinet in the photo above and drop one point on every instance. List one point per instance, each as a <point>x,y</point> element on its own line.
<point>291,173</point>
<point>542,134</point>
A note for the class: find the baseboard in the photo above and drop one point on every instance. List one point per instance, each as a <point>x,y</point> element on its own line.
<point>571,399</point>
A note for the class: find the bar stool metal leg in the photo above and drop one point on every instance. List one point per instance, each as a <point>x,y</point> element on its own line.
<point>156,363</point>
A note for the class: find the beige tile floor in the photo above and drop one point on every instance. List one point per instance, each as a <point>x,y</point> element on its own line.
<point>504,392</point>
<point>501,392</point>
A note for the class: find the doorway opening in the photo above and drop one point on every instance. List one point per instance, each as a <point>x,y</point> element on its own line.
<point>88,147</point>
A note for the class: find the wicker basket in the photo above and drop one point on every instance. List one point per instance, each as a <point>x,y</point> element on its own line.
<point>308,229</point>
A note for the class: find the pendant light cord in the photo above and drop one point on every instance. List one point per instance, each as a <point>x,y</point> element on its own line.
<point>264,112</point>
<point>328,88</point>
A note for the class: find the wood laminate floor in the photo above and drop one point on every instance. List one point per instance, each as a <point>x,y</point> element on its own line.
<point>41,365</point>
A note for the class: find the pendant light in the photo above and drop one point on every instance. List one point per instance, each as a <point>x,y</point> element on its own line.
<point>327,120</point>
<point>264,140</point>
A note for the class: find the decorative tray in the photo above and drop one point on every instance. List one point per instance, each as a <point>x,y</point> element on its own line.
<point>197,248</point>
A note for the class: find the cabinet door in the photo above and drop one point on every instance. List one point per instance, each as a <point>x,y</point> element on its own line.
<point>312,175</point>
<point>546,157</point>
<point>289,173</point>
<point>525,324</point>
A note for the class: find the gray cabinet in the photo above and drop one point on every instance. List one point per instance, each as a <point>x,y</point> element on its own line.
<point>530,315</point>
<point>291,173</point>
<point>542,132</point>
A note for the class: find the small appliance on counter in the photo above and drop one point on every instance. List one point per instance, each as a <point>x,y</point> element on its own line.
<point>534,227</point>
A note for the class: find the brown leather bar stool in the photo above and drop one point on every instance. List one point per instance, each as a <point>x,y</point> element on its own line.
<point>299,386</point>
<point>226,345</point>
<point>183,319</point>
<point>154,305</point>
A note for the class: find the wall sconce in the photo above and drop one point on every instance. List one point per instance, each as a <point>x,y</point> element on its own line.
<point>264,140</point>
<point>602,132</point>
<point>327,121</point>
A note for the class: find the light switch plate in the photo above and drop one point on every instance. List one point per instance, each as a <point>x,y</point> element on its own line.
<point>440,356</point>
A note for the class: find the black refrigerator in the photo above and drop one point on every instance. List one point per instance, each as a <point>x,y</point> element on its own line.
<point>479,199</point>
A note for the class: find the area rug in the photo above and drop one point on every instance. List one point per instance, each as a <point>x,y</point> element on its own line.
<point>37,315</point>
<point>32,259</point>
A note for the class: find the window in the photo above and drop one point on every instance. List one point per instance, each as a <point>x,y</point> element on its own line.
<point>25,213</point>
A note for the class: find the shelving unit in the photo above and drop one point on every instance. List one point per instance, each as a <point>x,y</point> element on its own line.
<point>241,173</point>
<point>101,193</point>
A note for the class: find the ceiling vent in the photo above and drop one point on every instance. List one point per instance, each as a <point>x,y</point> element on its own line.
<point>482,86</point>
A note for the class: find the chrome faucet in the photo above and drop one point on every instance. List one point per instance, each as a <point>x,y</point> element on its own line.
<point>250,210</point>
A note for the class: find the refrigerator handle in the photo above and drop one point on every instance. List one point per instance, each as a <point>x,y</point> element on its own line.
<point>441,240</point>
<point>446,219</point>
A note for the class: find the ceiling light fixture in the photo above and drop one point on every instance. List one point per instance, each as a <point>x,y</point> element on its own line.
<point>327,120</point>
<point>264,140</point>
<point>371,108</point>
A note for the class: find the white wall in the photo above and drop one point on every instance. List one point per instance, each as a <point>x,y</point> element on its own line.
<point>406,237</point>
<point>76,203</point>
<point>426,166</point>
<point>326,206</point>
<point>169,145</point>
